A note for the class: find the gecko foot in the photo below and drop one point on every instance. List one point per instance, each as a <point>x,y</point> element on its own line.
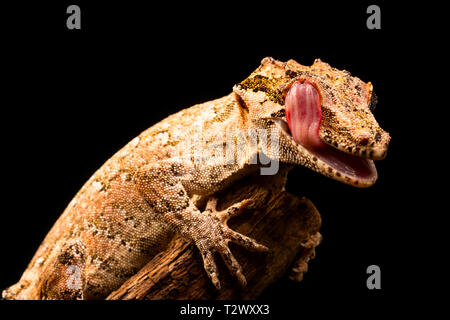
<point>301,265</point>
<point>212,234</point>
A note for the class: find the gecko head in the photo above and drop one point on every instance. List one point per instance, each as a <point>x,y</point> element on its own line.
<point>324,117</point>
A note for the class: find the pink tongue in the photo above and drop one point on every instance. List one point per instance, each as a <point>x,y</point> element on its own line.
<point>303,114</point>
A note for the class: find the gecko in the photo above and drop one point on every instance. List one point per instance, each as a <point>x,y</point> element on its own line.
<point>132,207</point>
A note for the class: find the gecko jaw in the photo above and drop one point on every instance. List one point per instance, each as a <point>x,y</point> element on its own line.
<point>322,161</point>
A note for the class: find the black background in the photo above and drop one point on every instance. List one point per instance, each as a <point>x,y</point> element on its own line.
<point>73,98</point>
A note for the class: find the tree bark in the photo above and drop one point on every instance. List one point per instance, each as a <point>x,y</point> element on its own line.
<point>279,220</point>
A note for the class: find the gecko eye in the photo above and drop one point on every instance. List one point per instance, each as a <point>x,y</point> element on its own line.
<point>373,101</point>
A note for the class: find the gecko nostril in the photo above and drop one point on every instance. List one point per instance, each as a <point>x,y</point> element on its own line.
<point>363,141</point>
<point>378,136</point>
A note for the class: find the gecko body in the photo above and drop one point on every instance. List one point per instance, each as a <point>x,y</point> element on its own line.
<point>131,207</point>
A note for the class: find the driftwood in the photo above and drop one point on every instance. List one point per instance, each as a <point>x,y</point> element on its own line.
<point>279,220</point>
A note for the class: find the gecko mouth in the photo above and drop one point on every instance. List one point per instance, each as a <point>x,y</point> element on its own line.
<point>303,117</point>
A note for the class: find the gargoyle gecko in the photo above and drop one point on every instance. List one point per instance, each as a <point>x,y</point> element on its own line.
<point>132,206</point>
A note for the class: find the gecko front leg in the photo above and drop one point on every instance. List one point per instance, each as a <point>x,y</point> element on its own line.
<point>208,230</point>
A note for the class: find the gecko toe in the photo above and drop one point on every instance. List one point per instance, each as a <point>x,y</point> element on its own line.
<point>232,264</point>
<point>211,204</point>
<point>246,242</point>
<point>235,209</point>
<point>211,268</point>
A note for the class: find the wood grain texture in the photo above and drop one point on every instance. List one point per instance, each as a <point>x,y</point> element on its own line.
<point>277,219</point>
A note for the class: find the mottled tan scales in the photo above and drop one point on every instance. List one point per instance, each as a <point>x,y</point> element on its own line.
<point>130,209</point>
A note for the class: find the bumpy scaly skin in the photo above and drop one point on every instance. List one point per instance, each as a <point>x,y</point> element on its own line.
<point>129,210</point>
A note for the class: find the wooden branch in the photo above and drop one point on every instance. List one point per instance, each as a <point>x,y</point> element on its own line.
<point>276,219</point>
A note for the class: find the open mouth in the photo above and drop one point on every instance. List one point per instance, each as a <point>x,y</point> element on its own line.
<point>303,117</point>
